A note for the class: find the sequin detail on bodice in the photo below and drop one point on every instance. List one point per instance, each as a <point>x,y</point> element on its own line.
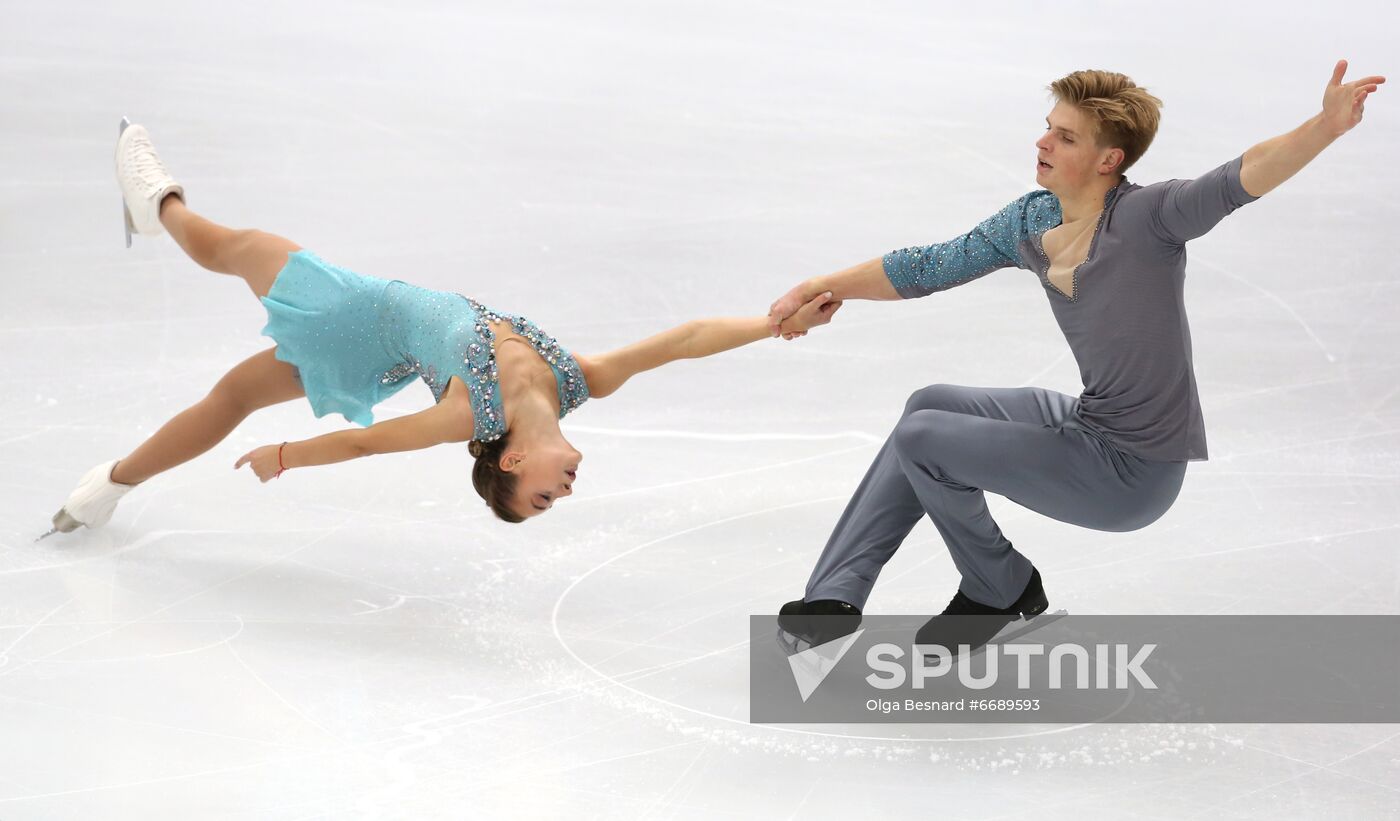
<point>482,376</point>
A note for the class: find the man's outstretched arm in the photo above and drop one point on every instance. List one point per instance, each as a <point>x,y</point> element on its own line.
<point>864,281</point>
<point>1269,163</point>
<point>918,271</point>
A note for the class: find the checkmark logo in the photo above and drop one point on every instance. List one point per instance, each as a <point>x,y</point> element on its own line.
<point>811,666</point>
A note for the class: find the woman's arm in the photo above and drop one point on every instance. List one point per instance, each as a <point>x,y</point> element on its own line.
<point>268,462</point>
<point>448,421</point>
<point>693,340</point>
<point>325,449</point>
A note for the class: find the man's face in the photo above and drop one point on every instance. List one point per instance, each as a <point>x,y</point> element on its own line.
<point>1068,147</point>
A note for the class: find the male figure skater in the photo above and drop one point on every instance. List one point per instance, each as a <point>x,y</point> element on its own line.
<point>1111,257</point>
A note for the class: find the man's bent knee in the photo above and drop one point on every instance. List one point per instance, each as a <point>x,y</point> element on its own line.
<point>930,397</point>
<point>917,434</point>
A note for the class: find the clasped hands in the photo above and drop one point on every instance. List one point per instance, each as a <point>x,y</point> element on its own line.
<point>795,313</point>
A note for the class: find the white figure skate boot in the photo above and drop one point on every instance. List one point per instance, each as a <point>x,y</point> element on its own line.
<point>93,502</point>
<point>144,180</point>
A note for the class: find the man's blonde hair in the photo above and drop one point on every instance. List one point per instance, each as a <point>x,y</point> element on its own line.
<point>1124,115</point>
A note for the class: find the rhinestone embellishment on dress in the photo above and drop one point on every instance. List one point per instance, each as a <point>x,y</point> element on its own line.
<point>481,359</point>
<point>480,373</point>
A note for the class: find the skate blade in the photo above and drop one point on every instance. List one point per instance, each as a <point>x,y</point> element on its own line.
<point>126,214</point>
<point>792,645</point>
<point>1014,630</point>
<point>62,523</point>
<point>1017,629</point>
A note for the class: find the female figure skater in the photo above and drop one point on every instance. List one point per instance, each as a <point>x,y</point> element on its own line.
<point>347,342</point>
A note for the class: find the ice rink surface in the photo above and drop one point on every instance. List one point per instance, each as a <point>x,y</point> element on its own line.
<point>364,640</point>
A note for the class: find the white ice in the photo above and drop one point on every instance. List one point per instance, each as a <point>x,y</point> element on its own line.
<point>364,640</point>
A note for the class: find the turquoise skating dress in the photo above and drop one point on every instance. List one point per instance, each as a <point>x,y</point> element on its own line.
<point>357,340</point>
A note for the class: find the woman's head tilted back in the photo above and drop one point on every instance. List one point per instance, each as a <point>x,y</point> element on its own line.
<point>494,485</point>
<point>1106,107</point>
<point>521,477</point>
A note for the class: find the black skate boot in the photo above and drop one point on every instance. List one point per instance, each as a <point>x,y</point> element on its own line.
<point>966,622</point>
<point>803,624</point>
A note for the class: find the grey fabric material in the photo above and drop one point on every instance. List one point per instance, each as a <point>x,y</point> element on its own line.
<point>1124,315</point>
<point>1126,321</point>
<point>951,444</point>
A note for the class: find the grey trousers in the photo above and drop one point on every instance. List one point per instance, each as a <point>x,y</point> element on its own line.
<point>954,442</point>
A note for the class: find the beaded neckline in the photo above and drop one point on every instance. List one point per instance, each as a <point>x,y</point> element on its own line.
<point>480,358</point>
<point>482,376</point>
<point>1039,241</point>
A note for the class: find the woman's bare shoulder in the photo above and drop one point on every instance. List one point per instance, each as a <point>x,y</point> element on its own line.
<point>597,374</point>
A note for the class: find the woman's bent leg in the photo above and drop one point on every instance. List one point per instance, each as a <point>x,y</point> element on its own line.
<point>257,382</point>
<point>253,255</point>
<point>192,432</point>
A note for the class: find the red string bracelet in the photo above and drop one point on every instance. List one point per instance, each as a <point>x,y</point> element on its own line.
<point>280,467</point>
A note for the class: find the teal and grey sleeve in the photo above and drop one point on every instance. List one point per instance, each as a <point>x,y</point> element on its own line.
<point>1187,209</point>
<point>990,246</point>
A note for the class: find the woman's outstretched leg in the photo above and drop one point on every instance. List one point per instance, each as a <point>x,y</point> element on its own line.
<point>253,255</point>
<point>257,382</point>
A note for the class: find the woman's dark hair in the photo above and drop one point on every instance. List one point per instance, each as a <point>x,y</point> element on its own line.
<point>494,485</point>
